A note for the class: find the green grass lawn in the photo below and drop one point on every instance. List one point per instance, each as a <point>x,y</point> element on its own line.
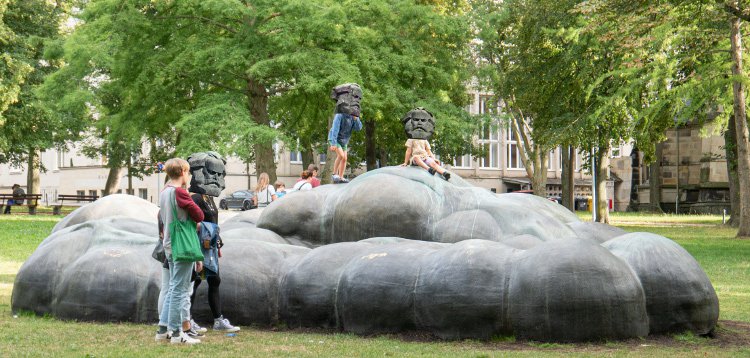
<point>724,259</point>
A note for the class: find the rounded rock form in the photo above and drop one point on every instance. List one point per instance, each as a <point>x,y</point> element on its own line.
<point>467,225</point>
<point>679,295</point>
<point>575,291</point>
<point>376,289</point>
<point>250,272</point>
<point>111,205</point>
<point>462,292</point>
<point>596,232</point>
<point>100,270</point>
<point>298,213</point>
<point>308,289</point>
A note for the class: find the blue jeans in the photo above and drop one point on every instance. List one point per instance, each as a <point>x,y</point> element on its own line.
<point>185,311</point>
<point>174,301</point>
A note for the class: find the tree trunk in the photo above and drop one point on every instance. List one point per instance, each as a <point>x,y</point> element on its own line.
<point>370,145</point>
<point>602,166</point>
<point>568,181</point>
<point>130,180</point>
<point>655,181</point>
<point>308,156</point>
<point>32,176</point>
<point>539,179</point>
<point>635,176</point>
<point>327,169</point>
<point>730,147</point>
<point>740,121</point>
<point>263,149</point>
<point>113,181</point>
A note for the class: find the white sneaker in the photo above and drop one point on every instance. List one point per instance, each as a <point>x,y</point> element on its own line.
<point>184,339</point>
<point>163,336</point>
<point>222,324</point>
<point>196,327</point>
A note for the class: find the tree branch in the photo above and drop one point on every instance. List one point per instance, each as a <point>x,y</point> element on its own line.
<point>736,12</point>
<point>201,18</point>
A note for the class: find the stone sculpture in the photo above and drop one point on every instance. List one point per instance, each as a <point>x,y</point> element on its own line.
<point>419,123</point>
<point>347,97</point>
<point>396,249</point>
<point>207,170</point>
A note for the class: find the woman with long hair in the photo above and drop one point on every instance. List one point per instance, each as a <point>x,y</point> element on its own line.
<point>264,191</point>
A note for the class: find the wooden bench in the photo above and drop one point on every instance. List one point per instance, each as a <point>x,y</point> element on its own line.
<point>61,198</point>
<point>29,200</point>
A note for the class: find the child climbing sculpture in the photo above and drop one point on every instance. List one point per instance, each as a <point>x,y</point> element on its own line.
<point>345,120</point>
<point>419,125</point>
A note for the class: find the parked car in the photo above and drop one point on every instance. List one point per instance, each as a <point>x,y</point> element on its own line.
<point>241,199</point>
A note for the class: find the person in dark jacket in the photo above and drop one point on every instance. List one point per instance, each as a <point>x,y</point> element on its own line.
<point>18,197</point>
<point>208,182</point>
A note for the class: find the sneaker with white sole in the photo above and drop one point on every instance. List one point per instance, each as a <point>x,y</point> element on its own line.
<point>183,338</point>
<point>222,324</point>
<point>163,336</point>
<point>193,333</point>
<point>195,327</point>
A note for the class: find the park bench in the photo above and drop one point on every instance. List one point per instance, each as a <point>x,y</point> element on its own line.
<point>78,199</point>
<point>29,200</point>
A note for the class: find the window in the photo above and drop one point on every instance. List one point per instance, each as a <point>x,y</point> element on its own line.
<point>143,193</point>
<point>93,192</point>
<point>551,159</point>
<point>490,145</point>
<point>463,161</point>
<point>616,151</point>
<point>513,158</point>
<point>295,157</point>
<point>489,138</point>
<point>80,192</point>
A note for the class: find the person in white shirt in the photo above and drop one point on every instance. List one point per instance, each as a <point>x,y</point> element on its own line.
<point>264,191</point>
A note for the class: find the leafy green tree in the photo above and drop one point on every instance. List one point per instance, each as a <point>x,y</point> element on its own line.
<point>27,36</point>
<point>684,63</point>
<point>237,76</point>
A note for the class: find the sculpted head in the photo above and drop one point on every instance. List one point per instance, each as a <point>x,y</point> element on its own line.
<point>347,97</point>
<point>208,173</point>
<point>419,123</point>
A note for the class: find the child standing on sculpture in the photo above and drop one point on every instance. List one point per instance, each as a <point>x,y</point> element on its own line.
<point>345,121</point>
<point>419,124</point>
<point>174,196</point>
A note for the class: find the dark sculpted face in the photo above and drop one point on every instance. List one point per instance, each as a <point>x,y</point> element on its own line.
<point>419,124</point>
<point>208,173</point>
<point>347,97</point>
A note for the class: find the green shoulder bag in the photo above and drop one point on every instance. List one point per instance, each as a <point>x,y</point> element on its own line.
<point>185,243</point>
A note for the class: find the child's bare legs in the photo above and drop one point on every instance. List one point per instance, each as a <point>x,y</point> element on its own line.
<point>431,164</point>
<point>340,163</point>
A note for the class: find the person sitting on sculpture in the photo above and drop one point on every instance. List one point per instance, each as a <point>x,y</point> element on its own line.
<point>175,196</point>
<point>265,193</point>
<point>419,125</point>
<point>345,121</point>
<point>208,170</point>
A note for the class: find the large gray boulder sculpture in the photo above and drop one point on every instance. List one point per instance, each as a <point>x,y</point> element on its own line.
<point>394,250</point>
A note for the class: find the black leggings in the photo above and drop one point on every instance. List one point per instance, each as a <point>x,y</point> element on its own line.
<point>213,294</point>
